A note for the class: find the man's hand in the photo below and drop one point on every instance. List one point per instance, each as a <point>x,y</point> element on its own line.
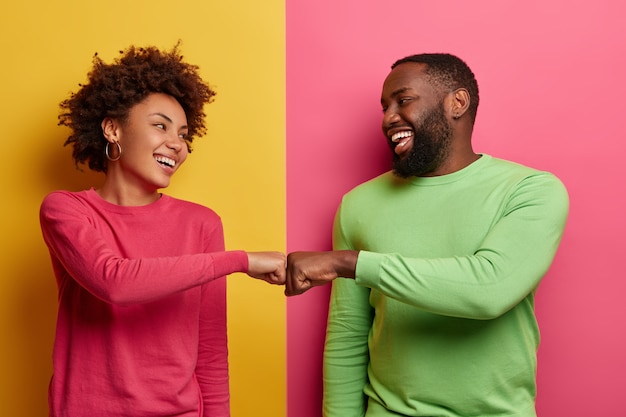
<point>268,266</point>
<point>306,270</point>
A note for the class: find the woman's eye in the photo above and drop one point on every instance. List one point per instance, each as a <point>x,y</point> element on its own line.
<point>160,126</point>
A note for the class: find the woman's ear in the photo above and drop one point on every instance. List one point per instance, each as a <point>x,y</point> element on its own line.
<point>110,129</point>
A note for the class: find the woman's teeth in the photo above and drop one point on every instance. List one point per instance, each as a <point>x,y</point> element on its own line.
<point>165,161</point>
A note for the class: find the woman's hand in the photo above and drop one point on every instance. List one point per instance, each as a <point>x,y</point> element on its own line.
<point>268,266</point>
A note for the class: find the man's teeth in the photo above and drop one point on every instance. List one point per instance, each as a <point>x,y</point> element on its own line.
<point>165,160</point>
<point>396,137</point>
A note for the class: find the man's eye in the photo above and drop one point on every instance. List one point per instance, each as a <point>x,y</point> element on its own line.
<point>404,100</point>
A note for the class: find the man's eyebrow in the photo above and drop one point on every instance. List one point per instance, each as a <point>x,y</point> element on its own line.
<point>400,91</point>
<point>397,92</point>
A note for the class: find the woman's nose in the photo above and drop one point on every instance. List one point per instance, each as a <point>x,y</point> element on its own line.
<point>175,142</point>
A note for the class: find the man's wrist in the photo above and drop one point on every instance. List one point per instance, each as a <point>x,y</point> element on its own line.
<point>346,263</point>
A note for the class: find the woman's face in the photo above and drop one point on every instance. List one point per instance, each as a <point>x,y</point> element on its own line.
<point>153,144</point>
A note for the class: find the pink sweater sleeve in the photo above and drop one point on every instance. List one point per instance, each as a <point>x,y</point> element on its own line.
<point>77,244</point>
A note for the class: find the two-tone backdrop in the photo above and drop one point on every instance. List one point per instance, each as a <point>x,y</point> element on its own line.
<point>295,125</point>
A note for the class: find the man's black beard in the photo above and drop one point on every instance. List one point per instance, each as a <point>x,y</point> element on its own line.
<point>431,145</point>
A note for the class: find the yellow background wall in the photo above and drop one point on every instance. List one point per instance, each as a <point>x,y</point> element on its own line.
<point>238,169</point>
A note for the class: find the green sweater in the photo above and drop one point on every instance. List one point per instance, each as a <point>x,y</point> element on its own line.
<point>440,318</point>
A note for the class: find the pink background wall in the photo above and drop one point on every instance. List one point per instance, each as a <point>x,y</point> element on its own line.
<point>551,77</point>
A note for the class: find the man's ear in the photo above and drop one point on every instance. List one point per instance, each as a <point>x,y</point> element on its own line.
<point>110,129</point>
<point>459,102</point>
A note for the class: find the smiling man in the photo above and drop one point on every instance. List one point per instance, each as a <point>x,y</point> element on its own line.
<point>441,258</point>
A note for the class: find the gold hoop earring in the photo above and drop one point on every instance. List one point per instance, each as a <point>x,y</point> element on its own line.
<point>119,151</point>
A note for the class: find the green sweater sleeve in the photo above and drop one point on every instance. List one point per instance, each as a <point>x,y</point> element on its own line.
<point>508,265</point>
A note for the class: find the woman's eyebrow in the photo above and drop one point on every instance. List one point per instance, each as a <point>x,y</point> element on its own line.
<point>168,119</point>
<point>163,116</point>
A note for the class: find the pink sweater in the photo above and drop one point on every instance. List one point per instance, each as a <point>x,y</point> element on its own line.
<point>141,327</point>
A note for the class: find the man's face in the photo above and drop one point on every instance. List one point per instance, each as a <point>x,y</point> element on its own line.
<point>414,121</point>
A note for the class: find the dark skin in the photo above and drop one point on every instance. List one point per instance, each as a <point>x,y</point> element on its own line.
<point>406,95</point>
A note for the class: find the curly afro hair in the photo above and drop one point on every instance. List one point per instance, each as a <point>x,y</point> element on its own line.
<point>113,89</point>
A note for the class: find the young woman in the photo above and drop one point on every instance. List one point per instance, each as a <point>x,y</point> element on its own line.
<point>141,327</point>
